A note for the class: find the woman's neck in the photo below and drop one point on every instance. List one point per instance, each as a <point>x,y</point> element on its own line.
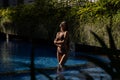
<point>62,30</point>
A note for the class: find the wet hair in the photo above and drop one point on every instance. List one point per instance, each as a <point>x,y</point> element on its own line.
<point>64,23</point>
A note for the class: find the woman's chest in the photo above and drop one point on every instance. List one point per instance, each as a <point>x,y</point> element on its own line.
<point>61,35</point>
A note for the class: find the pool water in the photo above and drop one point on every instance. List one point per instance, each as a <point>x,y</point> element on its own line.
<point>15,56</point>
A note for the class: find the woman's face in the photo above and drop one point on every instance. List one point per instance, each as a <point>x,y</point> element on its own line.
<point>62,27</point>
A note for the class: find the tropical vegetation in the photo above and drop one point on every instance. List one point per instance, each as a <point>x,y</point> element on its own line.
<point>92,23</point>
<point>41,19</point>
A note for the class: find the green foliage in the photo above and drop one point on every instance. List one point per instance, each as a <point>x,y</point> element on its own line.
<point>96,16</point>
<point>6,20</point>
<point>40,19</point>
<point>113,55</point>
<point>99,9</point>
<point>25,19</point>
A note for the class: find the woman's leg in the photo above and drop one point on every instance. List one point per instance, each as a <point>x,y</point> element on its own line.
<point>59,56</point>
<point>63,59</point>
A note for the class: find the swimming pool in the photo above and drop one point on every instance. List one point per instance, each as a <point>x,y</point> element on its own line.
<point>15,56</point>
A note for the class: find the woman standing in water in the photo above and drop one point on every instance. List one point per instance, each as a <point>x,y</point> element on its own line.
<point>62,43</point>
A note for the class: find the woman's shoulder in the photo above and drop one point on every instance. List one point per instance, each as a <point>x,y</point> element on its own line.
<point>58,32</point>
<point>66,32</point>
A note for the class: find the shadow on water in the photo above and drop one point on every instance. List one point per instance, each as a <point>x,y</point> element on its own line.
<point>31,54</point>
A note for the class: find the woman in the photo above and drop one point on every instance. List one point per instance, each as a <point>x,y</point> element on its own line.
<point>62,43</point>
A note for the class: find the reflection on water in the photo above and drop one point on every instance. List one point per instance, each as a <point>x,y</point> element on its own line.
<point>15,55</point>
<point>5,55</point>
<point>9,51</point>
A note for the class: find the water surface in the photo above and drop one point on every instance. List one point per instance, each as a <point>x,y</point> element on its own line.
<point>15,56</point>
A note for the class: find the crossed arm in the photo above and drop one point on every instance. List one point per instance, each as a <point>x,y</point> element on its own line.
<point>59,43</point>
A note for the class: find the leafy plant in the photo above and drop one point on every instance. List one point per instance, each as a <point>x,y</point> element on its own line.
<point>113,54</point>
